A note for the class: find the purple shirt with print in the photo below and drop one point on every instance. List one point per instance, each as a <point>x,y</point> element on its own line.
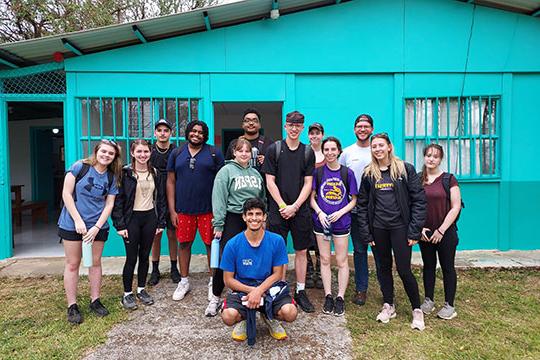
<point>332,195</point>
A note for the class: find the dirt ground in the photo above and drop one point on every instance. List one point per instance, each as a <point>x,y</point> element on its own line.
<point>170,329</point>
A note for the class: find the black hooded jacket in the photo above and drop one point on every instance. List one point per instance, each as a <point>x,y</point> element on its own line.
<point>410,197</point>
<point>124,201</point>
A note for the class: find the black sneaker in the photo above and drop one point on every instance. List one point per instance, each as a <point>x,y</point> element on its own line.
<point>303,301</point>
<point>339,307</point>
<point>145,297</point>
<point>154,278</point>
<point>328,307</point>
<point>128,302</point>
<point>74,316</point>
<point>97,308</point>
<point>175,275</point>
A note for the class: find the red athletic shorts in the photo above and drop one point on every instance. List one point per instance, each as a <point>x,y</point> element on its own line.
<point>188,225</point>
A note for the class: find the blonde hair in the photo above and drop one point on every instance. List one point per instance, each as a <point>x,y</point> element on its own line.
<point>115,166</point>
<point>397,166</point>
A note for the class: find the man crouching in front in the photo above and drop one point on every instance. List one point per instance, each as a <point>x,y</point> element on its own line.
<point>252,264</point>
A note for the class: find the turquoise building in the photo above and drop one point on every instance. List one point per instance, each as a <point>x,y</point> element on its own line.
<point>458,73</point>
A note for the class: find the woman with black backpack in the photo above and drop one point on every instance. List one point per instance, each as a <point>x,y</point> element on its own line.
<point>333,196</point>
<point>138,215</point>
<point>90,186</point>
<point>439,235</point>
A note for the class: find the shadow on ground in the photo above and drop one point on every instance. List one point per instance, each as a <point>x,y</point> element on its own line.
<point>170,329</point>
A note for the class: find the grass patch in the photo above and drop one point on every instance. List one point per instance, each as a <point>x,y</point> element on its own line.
<point>498,318</point>
<point>33,318</point>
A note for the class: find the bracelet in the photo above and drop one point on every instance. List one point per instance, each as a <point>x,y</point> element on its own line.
<point>439,231</point>
<point>97,227</point>
<point>282,206</point>
<point>319,212</point>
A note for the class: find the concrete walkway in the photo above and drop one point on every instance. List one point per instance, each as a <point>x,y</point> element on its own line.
<point>36,267</point>
<point>170,329</point>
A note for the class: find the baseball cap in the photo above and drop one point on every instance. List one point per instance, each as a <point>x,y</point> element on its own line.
<point>364,117</point>
<point>317,126</point>
<point>163,122</point>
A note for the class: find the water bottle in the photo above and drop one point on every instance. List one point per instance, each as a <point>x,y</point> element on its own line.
<point>327,231</point>
<point>214,254</point>
<point>254,154</point>
<point>87,254</point>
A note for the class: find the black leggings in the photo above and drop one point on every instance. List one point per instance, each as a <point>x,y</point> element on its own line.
<point>141,230</point>
<point>446,249</point>
<point>234,224</point>
<point>395,240</point>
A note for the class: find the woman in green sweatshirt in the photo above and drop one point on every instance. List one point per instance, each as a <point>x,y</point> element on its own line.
<point>235,183</point>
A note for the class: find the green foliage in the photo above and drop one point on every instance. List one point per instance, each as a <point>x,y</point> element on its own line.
<point>28,19</point>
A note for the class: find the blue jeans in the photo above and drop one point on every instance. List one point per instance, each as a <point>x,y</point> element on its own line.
<point>361,271</point>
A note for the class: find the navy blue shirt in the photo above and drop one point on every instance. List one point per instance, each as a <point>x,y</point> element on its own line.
<point>194,179</point>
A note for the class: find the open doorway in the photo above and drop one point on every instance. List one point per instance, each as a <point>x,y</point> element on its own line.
<point>36,142</point>
<point>228,120</point>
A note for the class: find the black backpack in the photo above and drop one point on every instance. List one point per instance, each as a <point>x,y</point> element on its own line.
<point>178,150</point>
<point>278,152</point>
<point>84,170</point>
<point>343,173</point>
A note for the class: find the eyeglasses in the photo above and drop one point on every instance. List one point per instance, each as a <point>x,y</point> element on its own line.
<point>253,121</point>
<point>362,127</point>
<point>192,163</point>
<point>294,126</point>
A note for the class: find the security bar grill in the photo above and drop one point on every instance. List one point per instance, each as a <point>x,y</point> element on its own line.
<point>466,127</point>
<point>125,119</point>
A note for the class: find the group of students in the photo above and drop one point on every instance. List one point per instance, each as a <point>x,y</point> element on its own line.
<point>319,193</point>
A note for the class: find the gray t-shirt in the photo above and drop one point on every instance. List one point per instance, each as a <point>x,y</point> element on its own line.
<point>356,158</point>
<point>91,192</point>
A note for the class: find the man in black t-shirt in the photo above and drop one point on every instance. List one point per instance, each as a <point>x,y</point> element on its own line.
<point>251,124</point>
<point>160,154</point>
<point>288,167</point>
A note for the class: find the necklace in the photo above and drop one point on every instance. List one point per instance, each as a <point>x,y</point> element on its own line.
<point>159,150</point>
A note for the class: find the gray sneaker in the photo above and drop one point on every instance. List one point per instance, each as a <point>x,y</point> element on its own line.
<point>447,312</point>
<point>145,297</point>
<point>128,302</point>
<point>428,306</point>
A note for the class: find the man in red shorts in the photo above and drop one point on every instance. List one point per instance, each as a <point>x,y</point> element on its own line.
<point>191,170</point>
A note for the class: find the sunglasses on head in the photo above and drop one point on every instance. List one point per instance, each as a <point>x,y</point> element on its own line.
<point>380,135</point>
<point>110,142</point>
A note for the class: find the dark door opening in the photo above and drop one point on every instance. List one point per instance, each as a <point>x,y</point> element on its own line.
<point>36,143</point>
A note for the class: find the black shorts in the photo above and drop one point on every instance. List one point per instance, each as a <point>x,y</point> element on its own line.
<point>300,226</point>
<point>68,235</point>
<point>234,301</point>
<point>170,225</point>
<point>319,231</point>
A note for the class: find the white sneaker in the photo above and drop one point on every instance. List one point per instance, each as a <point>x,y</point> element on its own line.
<point>388,312</point>
<point>210,292</point>
<point>181,291</point>
<point>213,306</point>
<point>418,320</point>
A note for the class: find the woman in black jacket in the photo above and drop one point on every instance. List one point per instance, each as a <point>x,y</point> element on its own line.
<point>138,215</point>
<point>392,211</point>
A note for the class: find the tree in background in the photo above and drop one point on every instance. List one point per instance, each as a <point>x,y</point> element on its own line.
<point>29,19</point>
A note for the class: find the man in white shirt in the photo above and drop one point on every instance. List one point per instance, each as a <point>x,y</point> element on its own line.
<point>356,157</point>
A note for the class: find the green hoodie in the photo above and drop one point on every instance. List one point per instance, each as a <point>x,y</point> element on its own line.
<point>232,187</point>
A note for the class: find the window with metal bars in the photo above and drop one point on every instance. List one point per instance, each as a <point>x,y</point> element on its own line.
<point>125,119</point>
<point>466,127</point>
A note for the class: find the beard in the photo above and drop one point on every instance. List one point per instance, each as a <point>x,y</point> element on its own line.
<point>195,144</point>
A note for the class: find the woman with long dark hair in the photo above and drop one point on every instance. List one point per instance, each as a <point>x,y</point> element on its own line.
<point>391,216</point>
<point>235,183</point>
<point>90,187</point>
<point>332,199</point>
<point>138,215</point>
<point>439,235</point>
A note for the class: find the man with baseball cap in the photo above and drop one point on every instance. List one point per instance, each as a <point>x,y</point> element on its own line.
<point>356,157</point>
<point>158,159</point>
<point>288,167</point>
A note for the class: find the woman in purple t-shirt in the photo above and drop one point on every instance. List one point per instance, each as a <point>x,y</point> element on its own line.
<point>333,196</point>
<point>439,235</point>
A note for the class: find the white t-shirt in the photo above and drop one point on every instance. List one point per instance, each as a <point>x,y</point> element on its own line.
<point>356,158</point>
